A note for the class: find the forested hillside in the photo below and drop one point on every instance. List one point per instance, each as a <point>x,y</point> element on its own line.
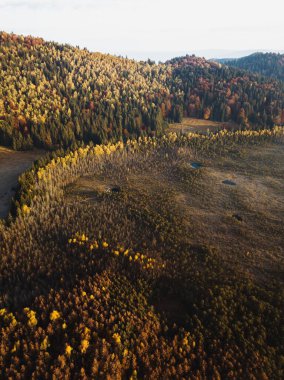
<point>222,93</point>
<point>55,95</point>
<point>268,64</point>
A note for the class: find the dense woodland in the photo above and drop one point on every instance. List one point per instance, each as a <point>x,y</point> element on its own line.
<point>55,95</point>
<point>267,64</point>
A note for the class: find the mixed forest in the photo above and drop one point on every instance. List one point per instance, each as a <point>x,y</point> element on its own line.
<point>54,95</point>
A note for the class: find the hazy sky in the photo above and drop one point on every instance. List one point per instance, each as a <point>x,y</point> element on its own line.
<point>155,28</point>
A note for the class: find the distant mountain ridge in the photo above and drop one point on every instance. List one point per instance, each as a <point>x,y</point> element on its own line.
<point>267,64</point>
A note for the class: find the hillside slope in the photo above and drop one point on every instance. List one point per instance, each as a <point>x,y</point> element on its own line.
<point>54,95</point>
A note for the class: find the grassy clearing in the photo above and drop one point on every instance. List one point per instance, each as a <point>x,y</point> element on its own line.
<point>202,126</point>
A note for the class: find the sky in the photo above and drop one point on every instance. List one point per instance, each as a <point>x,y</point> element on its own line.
<point>156,29</point>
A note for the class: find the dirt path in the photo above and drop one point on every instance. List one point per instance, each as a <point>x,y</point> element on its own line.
<point>12,164</point>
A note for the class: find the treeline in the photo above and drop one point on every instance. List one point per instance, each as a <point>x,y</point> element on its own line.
<point>267,64</point>
<point>56,96</point>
